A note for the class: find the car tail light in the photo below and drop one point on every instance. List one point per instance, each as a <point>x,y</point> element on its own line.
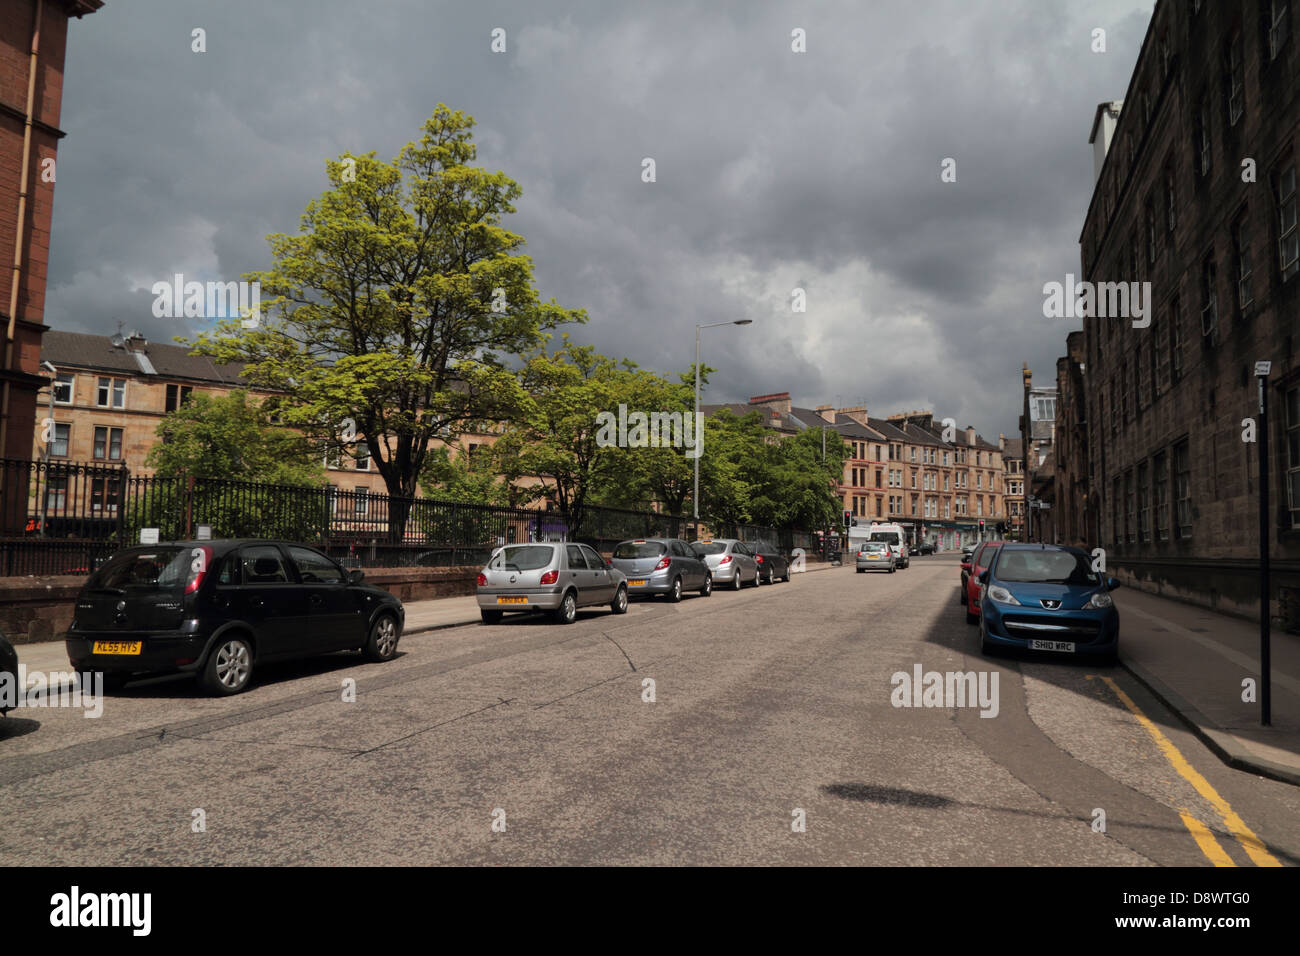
<point>482,580</point>
<point>726,559</point>
<point>663,563</point>
<point>551,576</point>
<point>198,568</point>
<point>758,558</point>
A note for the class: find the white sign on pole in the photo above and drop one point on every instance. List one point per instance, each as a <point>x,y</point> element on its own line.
<point>148,535</point>
<point>203,533</point>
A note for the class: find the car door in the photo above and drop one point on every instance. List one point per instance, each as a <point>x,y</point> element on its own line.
<point>336,619</point>
<point>695,569</point>
<point>269,599</point>
<point>603,588</point>
<point>579,574</point>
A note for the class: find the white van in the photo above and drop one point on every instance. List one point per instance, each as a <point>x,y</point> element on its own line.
<point>891,534</point>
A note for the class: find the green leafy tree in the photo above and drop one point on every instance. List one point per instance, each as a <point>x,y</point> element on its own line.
<point>395,308</point>
<point>471,477</point>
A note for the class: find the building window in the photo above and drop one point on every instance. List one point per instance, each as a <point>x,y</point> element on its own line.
<point>1241,252</point>
<point>63,387</point>
<point>1144,504</point>
<point>1175,342</point>
<point>1288,239</point>
<point>1233,82</point>
<point>104,495</point>
<point>59,441</point>
<point>1293,455</point>
<point>1130,516</point>
<point>1116,500</point>
<point>361,501</point>
<point>878,507</point>
<point>108,443</point>
<point>363,459</point>
<point>1278,27</point>
<point>1209,301</point>
<point>1171,204</point>
<point>112,393</point>
<point>1162,496</point>
<point>1203,138</point>
<point>1182,491</point>
<point>177,395</point>
<point>879,477</point>
<point>1150,220</point>
<point>1125,394</point>
<point>56,493</point>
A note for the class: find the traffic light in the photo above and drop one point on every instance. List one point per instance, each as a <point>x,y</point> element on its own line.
<point>848,519</point>
<point>981,527</point>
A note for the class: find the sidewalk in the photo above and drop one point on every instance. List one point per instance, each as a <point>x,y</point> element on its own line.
<point>1194,660</point>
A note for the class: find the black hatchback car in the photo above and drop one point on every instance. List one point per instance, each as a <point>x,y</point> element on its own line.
<point>217,609</point>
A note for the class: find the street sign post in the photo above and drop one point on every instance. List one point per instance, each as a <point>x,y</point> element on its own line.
<point>1265,663</point>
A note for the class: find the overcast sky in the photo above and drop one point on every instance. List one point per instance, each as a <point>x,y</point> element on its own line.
<point>775,169</point>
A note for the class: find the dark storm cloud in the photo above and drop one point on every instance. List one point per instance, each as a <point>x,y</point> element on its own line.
<point>775,169</point>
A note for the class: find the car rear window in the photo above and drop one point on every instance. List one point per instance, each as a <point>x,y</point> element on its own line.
<point>527,557</point>
<point>712,547</point>
<point>639,549</point>
<point>157,569</point>
<point>875,546</point>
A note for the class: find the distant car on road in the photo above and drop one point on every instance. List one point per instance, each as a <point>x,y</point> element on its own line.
<point>927,547</point>
<point>773,565</point>
<point>665,566</point>
<point>9,670</point>
<point>876,556</point>
<point>548,576</point>
<point>730,561</point>
<point>219,609</point>
<point>1047,598</point>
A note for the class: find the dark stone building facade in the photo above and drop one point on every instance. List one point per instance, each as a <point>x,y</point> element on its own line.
<point>1198,196</point>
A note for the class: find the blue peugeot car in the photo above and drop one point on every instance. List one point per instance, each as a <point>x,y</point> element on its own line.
<point>1043,597</point>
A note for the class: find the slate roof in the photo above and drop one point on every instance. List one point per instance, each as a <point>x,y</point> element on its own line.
<point>78,350</point>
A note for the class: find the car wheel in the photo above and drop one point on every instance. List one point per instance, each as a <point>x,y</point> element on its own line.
<point>381,645</point>
<point>893,568</point>
<point>736,583</point>
<point>758,577</point>
<point>491,617</point>
<point>769,579</point>
<point>567,612</point>
<point>675,594</point>
<point>230,666</point>
<point>786,579</point>
<point>708,586</point>
<point>985,649</point>
<point>619,604</point>
<point>862,570</point>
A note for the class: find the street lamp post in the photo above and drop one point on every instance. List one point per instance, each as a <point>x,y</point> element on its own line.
<point>695,499</point>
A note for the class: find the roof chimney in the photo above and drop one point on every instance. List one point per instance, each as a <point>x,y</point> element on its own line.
<point>1104,122</point>
<point>970,434</point>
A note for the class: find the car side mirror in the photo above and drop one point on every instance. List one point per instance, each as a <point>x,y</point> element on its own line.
<point>984,577</point>
<point>1112,583</point>
<point>356,576</point>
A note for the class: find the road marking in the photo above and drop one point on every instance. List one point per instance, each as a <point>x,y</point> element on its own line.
<point>1205,840</point>
<point>1253,846</point>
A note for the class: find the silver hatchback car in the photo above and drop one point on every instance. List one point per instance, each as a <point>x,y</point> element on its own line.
<point>662,566</point>
<point>731,561</point>
<point>548,576</point>
<point>876,556</point>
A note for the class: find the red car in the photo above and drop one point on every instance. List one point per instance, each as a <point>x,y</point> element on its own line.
<point>979,562</point>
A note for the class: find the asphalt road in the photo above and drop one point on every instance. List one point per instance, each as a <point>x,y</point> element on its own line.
<point>771,707</point>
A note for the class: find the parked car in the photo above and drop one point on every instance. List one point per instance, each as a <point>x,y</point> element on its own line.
<point>548,576</point>
<point>979,562</point>
<point>927,547</point>
<point>1047,598</point>
<point>730,561</point>
<point>220,609</point>
<point>665,566</point>
<point>966,554</point>
<point>8,675</point>
<point>773,565</point>
<point>876,556</point>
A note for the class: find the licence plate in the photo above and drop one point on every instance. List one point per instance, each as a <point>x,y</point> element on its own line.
<point>116,647</point>
<point>1065,646</point>
<point>639,583</point>
<point>512,600</point>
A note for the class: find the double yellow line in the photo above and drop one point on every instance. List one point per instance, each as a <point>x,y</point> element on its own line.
<point>1252,844</point>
